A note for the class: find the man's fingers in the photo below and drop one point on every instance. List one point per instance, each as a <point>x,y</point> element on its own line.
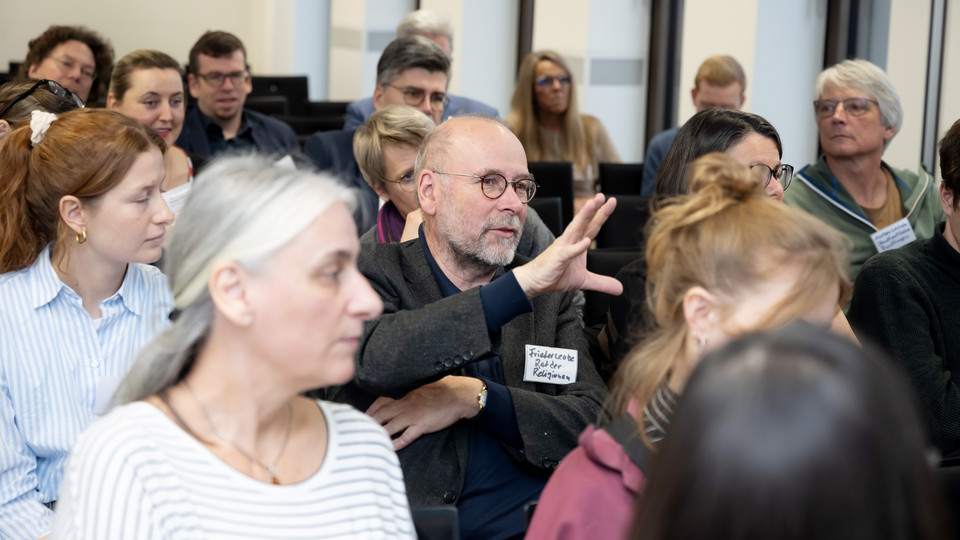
<point>604,284</point>
<point>601,217</point>
<point>409,435</point>
<point>376,409</point>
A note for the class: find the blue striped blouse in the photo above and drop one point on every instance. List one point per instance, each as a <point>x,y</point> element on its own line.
<point>53,358</point>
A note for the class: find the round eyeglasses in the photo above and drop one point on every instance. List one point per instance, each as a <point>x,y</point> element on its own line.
<point>783,173</point>
<point>414,97</point>
<point>493,185</point>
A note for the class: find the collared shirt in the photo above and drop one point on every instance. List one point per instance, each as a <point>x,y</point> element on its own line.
<point>496,486</point>
<point>243,141</point>
<point>53,359</point>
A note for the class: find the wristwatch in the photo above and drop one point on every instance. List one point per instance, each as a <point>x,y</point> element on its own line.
<point>482,396</point>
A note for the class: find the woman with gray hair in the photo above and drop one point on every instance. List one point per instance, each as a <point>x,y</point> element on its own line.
<point>877,206</point>
<point>214,439</point>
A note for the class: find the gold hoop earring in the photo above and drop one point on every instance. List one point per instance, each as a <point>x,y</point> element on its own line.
<point>82,237</point>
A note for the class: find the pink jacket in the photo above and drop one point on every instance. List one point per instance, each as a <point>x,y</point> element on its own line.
<point>591,494</point>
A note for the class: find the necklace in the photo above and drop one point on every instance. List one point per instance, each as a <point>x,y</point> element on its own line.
<point>283,446</point>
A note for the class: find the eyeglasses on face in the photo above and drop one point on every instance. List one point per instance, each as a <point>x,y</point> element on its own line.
<point>549,81</point>
<point>53,87</point>
<point>855,106</point>
<point>493,185</point>
<point>406,181</point>
<point>414,97</point>
<point>69,64</point>
<point>783,173</point>
<point>216,79</point>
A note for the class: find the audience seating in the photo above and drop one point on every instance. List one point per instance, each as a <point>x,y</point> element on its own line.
<point>269,105</point>
<point>624,228</point>
<point>294,89</point>
<point>606,262</point>
<point>620,178</point>
<point>555,179</point>
<point>436,523</point>
<point>549,210</point>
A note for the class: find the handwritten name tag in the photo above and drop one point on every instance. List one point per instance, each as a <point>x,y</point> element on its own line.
<point>550,365</point>
<point>897,235</point>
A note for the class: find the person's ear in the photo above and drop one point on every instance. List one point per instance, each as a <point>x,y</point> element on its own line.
<point>112,102</point>
<point>693,96</point>
<point>700,311</point>
<point>192,85</point>
<point>229,290</point>
<point>71,212</point>
<point>380,191</point>
<point>378,97</point>
<point>5,128</point>
<point>34,71</point>
<point>947,200</point>
<point>427,191</point>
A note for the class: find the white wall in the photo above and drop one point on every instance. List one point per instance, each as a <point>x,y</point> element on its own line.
<point>950,83</point>
<point>907,68</point>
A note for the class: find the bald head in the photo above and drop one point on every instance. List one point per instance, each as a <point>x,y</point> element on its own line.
<point>456,135</point>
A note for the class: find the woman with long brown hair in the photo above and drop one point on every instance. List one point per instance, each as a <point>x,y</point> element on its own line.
<point>81,215</point>
<point>723,261</point>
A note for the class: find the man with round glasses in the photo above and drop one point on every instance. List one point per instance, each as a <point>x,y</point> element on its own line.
<point>858,113</point>
<point>478,367</point>
<point>76,57</point>
<point>219,79</point>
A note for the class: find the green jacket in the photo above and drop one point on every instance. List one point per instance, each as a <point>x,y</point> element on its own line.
<point>817,191</point>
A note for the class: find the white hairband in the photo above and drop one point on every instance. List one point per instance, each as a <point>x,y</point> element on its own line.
<point>39,124</point>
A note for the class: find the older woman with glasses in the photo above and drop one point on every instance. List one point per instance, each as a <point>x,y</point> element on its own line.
<point>18,100</point>
<point>74,56</point>
<point>547,120</point>
<point>858,113</point>
<point>214,439</point>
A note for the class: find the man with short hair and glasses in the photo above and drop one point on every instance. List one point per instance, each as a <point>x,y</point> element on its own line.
<point>412,71</point>
<point>219,80</point>
<point>478,366</point>
<point>850,187</point>
<point>436,27</point>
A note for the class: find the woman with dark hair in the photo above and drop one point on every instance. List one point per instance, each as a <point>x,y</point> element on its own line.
<point>547,120</point>
<point>797,434</point>
<point>18,99</point>
<point>81,216</point>
<point>723,261</point>
<point>74,56</point>
<point>746,137</point>
<point>214,439</point>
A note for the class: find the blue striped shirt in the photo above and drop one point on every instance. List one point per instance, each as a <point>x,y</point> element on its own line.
<point>53,357</point>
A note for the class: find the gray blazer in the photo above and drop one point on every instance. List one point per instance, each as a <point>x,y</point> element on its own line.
<point>423,336</point>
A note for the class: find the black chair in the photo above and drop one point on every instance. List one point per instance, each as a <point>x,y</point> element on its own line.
<point>555,179</point>
<point>548,208</point>
<point>436,523</point>
<point>620,178</point>
<point>624,228</point>
<point>269,105</point>
<point>293,88</point>
<point>605,262</point>
<point>326,108</point>
<point>305,126</point>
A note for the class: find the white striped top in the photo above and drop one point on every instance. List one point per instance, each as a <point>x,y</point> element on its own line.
<point>53,358</point>
<point>136,474</point>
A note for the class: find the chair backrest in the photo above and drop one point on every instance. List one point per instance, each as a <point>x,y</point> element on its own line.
<point>624,228</point>
<point>549,210</point>
<point>436,523</point>
<point>269,105</point>
<point>294,88</point>
<point>620,178</point>
<point>606,262</point>
<point>555,179</point>
<point>949,480</point>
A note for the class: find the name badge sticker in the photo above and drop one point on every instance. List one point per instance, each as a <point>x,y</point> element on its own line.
<point>894,236</point>
<point>550,365</point>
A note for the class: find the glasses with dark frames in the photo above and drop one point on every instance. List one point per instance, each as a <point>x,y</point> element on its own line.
<point>493,185</point>
<point>53,87</point>
<point>216,79</point>
<point>783,173</point>
<point>414,97</point>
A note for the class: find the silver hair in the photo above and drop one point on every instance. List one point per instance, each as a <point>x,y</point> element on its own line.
<point>410,52</point>
<point>871,80</point>
<point>425,22</point>
<point>241,208</point>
